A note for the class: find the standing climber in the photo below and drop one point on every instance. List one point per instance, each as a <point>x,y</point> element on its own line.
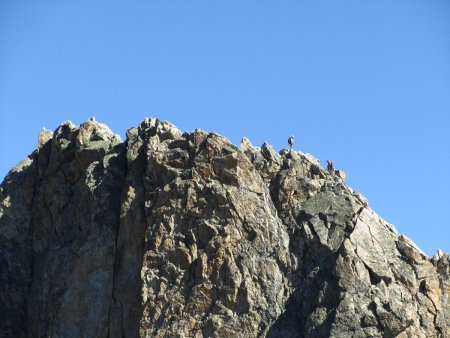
<point>291,142</point>
<point>330,166</point>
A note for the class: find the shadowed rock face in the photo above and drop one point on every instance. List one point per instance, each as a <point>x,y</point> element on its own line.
<point>173,234</point>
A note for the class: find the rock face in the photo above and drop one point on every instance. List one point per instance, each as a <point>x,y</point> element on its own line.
<point>173,234</point>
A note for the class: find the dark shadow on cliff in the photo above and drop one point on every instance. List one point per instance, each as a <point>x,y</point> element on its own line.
<point>126,309</point>
<point>310,310</point>
<point>16,251</point>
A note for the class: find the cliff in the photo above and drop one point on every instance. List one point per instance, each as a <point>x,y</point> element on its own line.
<point>172,234</point>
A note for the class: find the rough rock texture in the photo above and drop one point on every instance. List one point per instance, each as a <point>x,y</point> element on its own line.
<point>173,234</point>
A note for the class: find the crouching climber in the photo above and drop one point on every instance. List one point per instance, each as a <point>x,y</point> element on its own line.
<point>330,166</point>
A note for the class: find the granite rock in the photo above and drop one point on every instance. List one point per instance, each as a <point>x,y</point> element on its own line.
<point>183,234</point>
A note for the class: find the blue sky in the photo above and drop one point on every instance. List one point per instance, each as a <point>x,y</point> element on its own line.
<point>363,83</point>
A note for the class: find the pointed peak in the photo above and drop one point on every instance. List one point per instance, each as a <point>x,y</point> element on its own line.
<point>44,136</point>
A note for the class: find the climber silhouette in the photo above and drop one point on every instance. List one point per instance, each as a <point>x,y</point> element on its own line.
<point>330,166</point>
<point>291,142</point>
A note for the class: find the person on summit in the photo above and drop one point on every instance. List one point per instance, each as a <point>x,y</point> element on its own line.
<point>330,166</point>
<point>291,142</point>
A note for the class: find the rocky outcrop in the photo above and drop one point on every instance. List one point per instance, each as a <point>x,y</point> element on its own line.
<point>172,234</point>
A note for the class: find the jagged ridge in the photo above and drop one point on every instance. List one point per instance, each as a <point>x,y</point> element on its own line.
<point>184,234</point>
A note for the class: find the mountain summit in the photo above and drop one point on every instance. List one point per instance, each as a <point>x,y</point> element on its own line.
<point>172,234</point>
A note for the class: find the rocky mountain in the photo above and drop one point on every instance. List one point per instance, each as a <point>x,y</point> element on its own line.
<point>172,234</point>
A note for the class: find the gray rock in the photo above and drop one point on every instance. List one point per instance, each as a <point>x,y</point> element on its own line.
<point>44,136</point>
<point>172,234</point>
<point>341,174</point>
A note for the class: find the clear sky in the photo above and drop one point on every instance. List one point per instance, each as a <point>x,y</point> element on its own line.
<point>363,83</point>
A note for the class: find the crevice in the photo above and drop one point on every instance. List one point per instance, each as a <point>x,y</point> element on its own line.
<point>374,277</point>
<point>132,252</point>
<point>349,229</point>
<point>36,187</point>
<point>373,238</point>
<point>122,149</point>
